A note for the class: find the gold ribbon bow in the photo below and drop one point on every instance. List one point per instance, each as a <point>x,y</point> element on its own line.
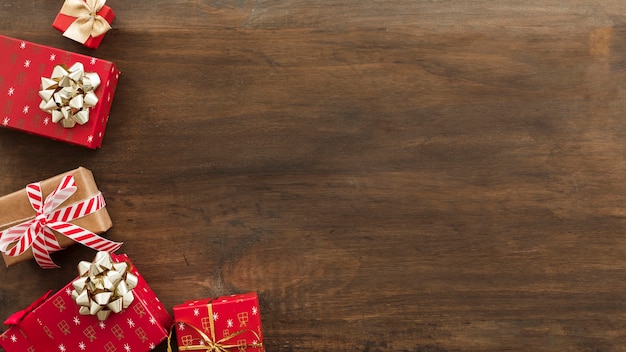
<point>210,344</point>
<point>68,94</point>
<point>88,22</point>
<point>104,287</point>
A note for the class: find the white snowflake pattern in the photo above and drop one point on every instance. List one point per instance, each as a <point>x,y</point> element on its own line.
<point>53,57</point>
<point>46,121</point>
<point>62,348</point>
<point>92,61</point>
<point>82,346</point>
<point>68,291</point>
<point>127,347</point>
<point>216,316</point>
<point>151,346</point>
<point>255,310</point>
<point>152,321</point>
<point>102,325</point>
<point>181,326</point>
<point>196,312</point>
<point>6,120</point>
<point>27,63</point>
<point>229,323</point>
<point>11,91</point>
<point>25,109</point>
<point>131,323</point>
<point>90,138</point>
<point>76,320</point>
<point>23,45</point>
<point>13,338</point>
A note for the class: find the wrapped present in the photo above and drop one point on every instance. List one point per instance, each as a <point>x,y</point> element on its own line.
<point>55,93</point>
<point>228,323</point>
<point>85,21</point>
<point>50,215</point>
<point>58,323</point>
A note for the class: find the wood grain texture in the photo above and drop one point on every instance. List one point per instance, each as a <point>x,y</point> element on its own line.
<point>423,176</point>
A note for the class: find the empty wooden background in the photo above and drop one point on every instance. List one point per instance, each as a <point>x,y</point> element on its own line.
<point>401,175</point>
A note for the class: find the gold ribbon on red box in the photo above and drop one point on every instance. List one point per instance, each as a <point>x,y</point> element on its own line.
<point>211,343</point>
<point>88,22</point>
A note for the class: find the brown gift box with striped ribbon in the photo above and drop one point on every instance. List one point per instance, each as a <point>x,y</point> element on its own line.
<point>15,208</point>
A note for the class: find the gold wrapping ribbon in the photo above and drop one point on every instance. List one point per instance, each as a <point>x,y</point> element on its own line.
<point>88,22</point>
<point>69,94</point>
<point>104,287</point>
<point>210,344</point>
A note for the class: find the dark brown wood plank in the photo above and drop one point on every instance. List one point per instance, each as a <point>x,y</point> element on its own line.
<point>388,175</point>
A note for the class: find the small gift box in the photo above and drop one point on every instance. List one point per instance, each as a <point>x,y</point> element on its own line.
<point>85,21</point>
<point>55,93</point>
<point>58,323</point>
<point>228,323</point>
<point>50,215</point>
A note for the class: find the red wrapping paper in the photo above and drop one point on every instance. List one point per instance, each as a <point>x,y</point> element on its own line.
<point>233,320</point>
<point>56,325</point>
<point>22,64</point>
<point>62,22</point>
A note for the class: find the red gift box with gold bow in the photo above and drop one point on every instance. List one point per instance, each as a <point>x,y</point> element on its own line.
<point>227,323</point>
<point>54,93</point>
<point>58,322</point>
<point>85,21</point>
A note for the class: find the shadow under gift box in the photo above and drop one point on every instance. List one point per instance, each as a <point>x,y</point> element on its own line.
<point>15,207</point>
<point>23,64</point>
<point>56,325</point>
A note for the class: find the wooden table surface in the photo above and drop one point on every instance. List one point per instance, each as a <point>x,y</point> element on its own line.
<point>397,175</point>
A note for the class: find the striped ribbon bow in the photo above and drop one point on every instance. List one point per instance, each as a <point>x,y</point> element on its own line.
<point>37,232</point>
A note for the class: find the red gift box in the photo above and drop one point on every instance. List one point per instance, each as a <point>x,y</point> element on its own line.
<point>62,22</point>
<point>22,66</point>
<point>229,322</point>
<point>56,324</point>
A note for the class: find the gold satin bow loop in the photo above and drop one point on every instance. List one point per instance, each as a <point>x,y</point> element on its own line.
<point>104,287</point>
<point>69,94</point>
<point>88,22</point>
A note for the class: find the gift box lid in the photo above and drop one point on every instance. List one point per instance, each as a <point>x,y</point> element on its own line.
<point>22,66</point>
<point>16,206</point>
<point>57,325</point>
<point>229,320</point>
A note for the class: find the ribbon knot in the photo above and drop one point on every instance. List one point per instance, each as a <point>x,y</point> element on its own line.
<point>41,219</point>
<point>88,22</point>
<point>37,232</point>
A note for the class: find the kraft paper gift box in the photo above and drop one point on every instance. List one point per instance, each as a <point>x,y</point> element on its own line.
<point>56,322</point>
<point>86,204</point>
<point>232,323</point>
<point>42,92</point>
<point>76,20</point>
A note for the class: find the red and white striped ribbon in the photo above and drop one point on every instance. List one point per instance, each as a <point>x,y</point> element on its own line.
<point>37,233</point>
